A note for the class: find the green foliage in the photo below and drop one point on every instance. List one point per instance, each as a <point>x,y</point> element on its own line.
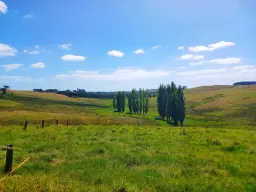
<point>161,101</point>
<point>4,89</point>
<point>136,101</point>
<point>171,103</point>
<point>120,102</point>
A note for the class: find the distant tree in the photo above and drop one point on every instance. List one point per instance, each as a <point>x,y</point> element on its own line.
<point>135,101</point>
<point>4,89</point>
<point>130,103</point>
<point>140,102</point>
<point>171,103</point>
<point>168,103</point>
<point>123,102</point>
<point>146,106</point>
<point>161,101</point>
<point>175,108</point>
<point>120,101</point>
<point>114,102</point>
<point>181,107</point>
<point>245,83</point>
<point>143,101</point>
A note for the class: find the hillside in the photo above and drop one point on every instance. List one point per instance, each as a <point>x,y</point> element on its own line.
<point>206,106</point>
<point>102,150</point>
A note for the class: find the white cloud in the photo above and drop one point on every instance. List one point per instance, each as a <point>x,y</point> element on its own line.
<point>6,50</point>
<point>33,52</point>
<point>181,48</point>
<point>36,47</point>
<point>66,46</point>
<point>231,60</point>
<point>73,58</point>
<point>191,57</point>
<point>116,53</point>
<point>211,47</point>
<point>10,67</point>
<point>245,68</point>
<point>117,75</point>
<point>197,63</point>
<point>139,51</point>
<point>28,16</point>
<point>3,7</point>
<point>39,65</point>
<point>156,46</point>
<point>202,72</point>
<point>25,51</point>
<point>10,79</point>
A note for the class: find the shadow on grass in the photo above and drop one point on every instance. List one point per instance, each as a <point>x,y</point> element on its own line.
<point>29,100</point>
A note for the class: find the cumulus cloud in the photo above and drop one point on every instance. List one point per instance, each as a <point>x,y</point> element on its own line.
<point>116,53</point>
<point>156,46</point>
<point>73,58</point>
<point>230,60</point>
<point>36,47</point>
<point>39,65</point>
<point>6,50</point>
<point>202,72</point>
<point>28,16</point>
<point>191,57</point>
<point>10,67</point>
<point>117,75</point>
<point>211,47</point>
<point>139,51</point>
<point>25,51</point>
<point>181,48</point>
<point>3,7</point>
<point>33,52</point>
<point>66,46</point>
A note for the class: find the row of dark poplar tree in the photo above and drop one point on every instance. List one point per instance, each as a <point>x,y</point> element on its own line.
<point>137,101</point>
<point>171,103</point>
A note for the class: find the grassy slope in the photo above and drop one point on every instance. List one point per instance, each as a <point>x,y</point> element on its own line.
<point>127,156</point>
<point>206,106</point>
<point>134,158</point>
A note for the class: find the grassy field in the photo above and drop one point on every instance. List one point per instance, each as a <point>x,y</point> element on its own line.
<point>131,158</point>
<point>214,106</point>
<point>102,150</point>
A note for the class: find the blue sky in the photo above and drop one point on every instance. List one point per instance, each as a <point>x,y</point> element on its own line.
<point>119,45</point>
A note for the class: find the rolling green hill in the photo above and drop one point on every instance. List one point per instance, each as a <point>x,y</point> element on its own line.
<point>102,150</point>
<point>211,106</point>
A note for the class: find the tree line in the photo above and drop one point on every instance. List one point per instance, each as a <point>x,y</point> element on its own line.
<point>137,101</point>
<point>171,103</point>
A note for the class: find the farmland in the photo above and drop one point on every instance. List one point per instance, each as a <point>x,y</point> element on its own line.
<point>102,150</point>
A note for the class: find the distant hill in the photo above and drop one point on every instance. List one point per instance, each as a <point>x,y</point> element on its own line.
<point>245,83</point>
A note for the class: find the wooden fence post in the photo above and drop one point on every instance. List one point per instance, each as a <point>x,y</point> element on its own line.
<point>25,125</point>
<point>9,159</point>
<point>57,122</point>
<point>42,123</point>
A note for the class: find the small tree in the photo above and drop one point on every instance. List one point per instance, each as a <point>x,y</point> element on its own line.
<point>182,108</point>
<point>4,89</point>
<point>130,103</point>
<point>114,102</point>
<point>146,106</point>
